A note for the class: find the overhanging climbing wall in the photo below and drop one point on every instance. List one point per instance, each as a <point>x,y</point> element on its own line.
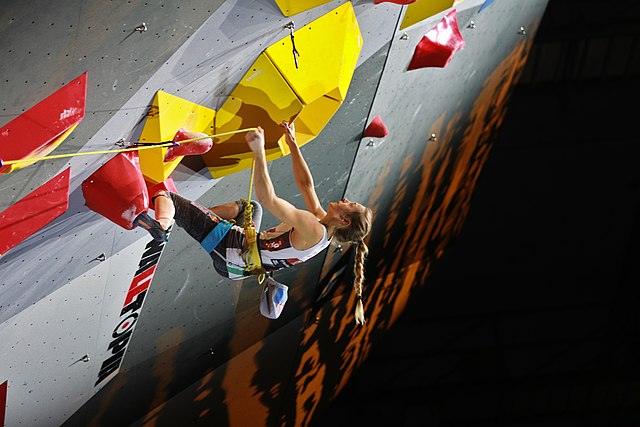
<point>102,326</point>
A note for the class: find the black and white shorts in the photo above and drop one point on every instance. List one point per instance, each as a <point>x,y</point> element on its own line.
<point>198,222</point>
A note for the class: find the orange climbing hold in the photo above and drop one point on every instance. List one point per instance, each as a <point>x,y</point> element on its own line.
<point>438,46</point>
<point>376,129</point>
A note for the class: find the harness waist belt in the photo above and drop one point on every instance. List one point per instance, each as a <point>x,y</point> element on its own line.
<point>216,235</point>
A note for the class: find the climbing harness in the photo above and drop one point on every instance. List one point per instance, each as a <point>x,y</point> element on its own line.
<point>216,235</point>
<point>139,147</point>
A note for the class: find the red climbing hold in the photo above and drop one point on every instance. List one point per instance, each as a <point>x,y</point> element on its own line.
<point>376,128</point>
<point>394,1</point>
<point>117,190</point>
<point>189,148</point>
<point>439,44</point>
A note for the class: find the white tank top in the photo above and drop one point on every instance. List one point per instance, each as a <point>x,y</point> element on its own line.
<point>277,251</point>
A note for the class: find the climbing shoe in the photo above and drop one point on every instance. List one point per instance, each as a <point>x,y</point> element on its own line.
<point>152,226</point>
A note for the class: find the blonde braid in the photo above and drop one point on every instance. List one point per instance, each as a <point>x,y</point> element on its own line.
<point>358,269</point>
<point>355,232</point>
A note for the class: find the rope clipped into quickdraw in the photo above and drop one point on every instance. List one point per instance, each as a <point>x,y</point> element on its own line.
<point>250,252</point>
<point>139,146</point>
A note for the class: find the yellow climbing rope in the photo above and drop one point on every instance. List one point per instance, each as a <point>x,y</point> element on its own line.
<point>251,253</point>
<point>122,150</point>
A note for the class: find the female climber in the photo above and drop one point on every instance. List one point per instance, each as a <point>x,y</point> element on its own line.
<point>301,234</point>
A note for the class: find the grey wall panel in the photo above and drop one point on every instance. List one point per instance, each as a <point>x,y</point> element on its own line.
<point>51,351</point>
<point>52,258</point>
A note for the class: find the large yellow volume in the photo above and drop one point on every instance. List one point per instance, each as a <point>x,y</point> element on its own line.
<point>167,114</point>
<point>262,98</point>
<point>423,9</point>
<point>273,89</point>
<point>291,7</point>
<point>329,49</point>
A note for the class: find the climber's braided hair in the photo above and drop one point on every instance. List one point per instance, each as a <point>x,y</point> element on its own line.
<point>355,233</point>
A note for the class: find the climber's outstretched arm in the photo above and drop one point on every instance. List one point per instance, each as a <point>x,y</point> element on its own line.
<point>301,172</point>
<point>305,223</point>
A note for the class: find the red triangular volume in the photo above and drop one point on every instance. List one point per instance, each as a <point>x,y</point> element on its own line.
<point>117,190</point>
<point>31,132</point>
<point>34,211</point>
<point>394,1</point>
<point>439,44</point>
<point>376,128</point>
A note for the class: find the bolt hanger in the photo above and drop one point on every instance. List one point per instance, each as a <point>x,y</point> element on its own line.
<point>141,28</point>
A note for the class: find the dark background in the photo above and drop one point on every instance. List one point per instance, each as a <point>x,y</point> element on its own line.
<point>531,317</point>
